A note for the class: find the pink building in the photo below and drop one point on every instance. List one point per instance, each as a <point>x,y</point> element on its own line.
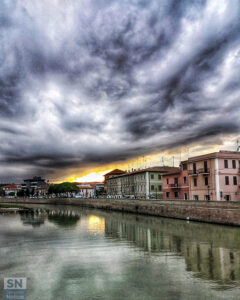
<point>176,184</point>
<point>215,176</point>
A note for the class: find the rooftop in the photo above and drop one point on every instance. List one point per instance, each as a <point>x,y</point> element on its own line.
<point>220,154</point>
<point>160,169</point>
<point>115,172</point>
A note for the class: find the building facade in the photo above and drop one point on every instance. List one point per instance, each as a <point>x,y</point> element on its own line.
<point>33,184</point>
<point>113,173</point>
<point>140,184</point>
<point>11,190</point>
<point>176,184</point>
<point>215,176</point>
<point>86,190</point>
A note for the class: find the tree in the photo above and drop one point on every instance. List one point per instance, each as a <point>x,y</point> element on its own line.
<point>21,193</point>
<point>65,187</point>
<point>11,194</point>
<point>2,192</point>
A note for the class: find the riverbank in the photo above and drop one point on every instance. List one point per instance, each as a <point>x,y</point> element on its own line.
<point>227,213</point>
<point>12,208</point>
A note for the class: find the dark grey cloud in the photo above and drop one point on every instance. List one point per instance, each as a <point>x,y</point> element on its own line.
<point>93,82</point>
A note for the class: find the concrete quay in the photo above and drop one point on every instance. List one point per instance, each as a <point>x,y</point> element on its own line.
<point>218,212</point>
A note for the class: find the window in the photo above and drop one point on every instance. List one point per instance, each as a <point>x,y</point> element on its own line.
<point>184,179</point>
<point>194,168</point>
<point>167,194</point>
<point>176,194</point>
<point>184,166</point>
<point>235,180</point>
<point>234,164</point>
<point>207,197</point>
<point>227,180</point>
<point>159,188</point>
<point>195,181</point>
<point>195,197</point>
<point>176,181</point>
<point>152,187</point>
<point>206,180</point>
<point>159,177</point>
<point>227,197</point>
<point>167,181</point>
<point>225,163</point>
<point>205,167</point>
<point>152,176</point>
<point>185,196</point>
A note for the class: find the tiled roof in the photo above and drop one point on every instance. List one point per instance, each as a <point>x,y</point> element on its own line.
<point>173,173</point>
<point>11,186</point>
<point>86,187</point>
<point>165,169</point>
<point>115,171</point>
<point>220,154</point>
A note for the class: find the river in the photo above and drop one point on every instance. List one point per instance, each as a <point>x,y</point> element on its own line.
<point>68,252</point>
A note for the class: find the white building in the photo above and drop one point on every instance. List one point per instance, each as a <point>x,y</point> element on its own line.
<point>86,190</point>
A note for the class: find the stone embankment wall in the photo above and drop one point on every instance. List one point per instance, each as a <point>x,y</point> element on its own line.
<point>227,213</point>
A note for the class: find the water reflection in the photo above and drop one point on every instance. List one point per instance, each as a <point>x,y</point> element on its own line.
<point>96,224</point>
<point>211,252</point>
<point>77,253</point>
<point>68,219</point>
<point>31,218</point>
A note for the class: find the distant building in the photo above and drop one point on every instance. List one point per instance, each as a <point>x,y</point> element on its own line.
<point>32,184</point>
<point>113,173</point>
<point>99,188</point>
<point>86,190</point>
<point>215,176</point>
<point>11,189</point>
<point>41,190</point>
<point>145,183</point>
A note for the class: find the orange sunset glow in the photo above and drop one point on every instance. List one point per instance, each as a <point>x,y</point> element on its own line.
<point>97,176</point>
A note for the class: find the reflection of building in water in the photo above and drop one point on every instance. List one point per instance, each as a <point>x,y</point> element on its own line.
<point>29,218</point>
<point>96,224</point>
<point>64,218</point>
<point>205,248</point>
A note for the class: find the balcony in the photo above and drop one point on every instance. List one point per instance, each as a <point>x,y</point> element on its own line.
<point>204,171</point>
<point>174,186</point>
<point>201,171</point>
<point>192,173</point>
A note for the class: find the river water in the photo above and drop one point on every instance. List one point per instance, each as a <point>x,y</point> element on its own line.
<point>75,253</point>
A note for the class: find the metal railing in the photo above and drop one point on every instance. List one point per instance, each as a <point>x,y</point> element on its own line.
<point>199,171</point>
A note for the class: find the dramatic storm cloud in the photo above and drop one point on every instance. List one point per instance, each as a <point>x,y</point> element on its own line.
<point>93,82</point>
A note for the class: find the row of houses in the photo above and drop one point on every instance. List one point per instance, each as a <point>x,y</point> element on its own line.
<point>213,176</point>
<point>38,187</point>
<point>34,186</point>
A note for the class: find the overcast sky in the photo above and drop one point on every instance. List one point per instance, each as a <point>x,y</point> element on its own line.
<point>95,82</point>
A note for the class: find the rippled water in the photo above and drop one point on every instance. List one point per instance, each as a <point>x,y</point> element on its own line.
<point>73,253</point>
